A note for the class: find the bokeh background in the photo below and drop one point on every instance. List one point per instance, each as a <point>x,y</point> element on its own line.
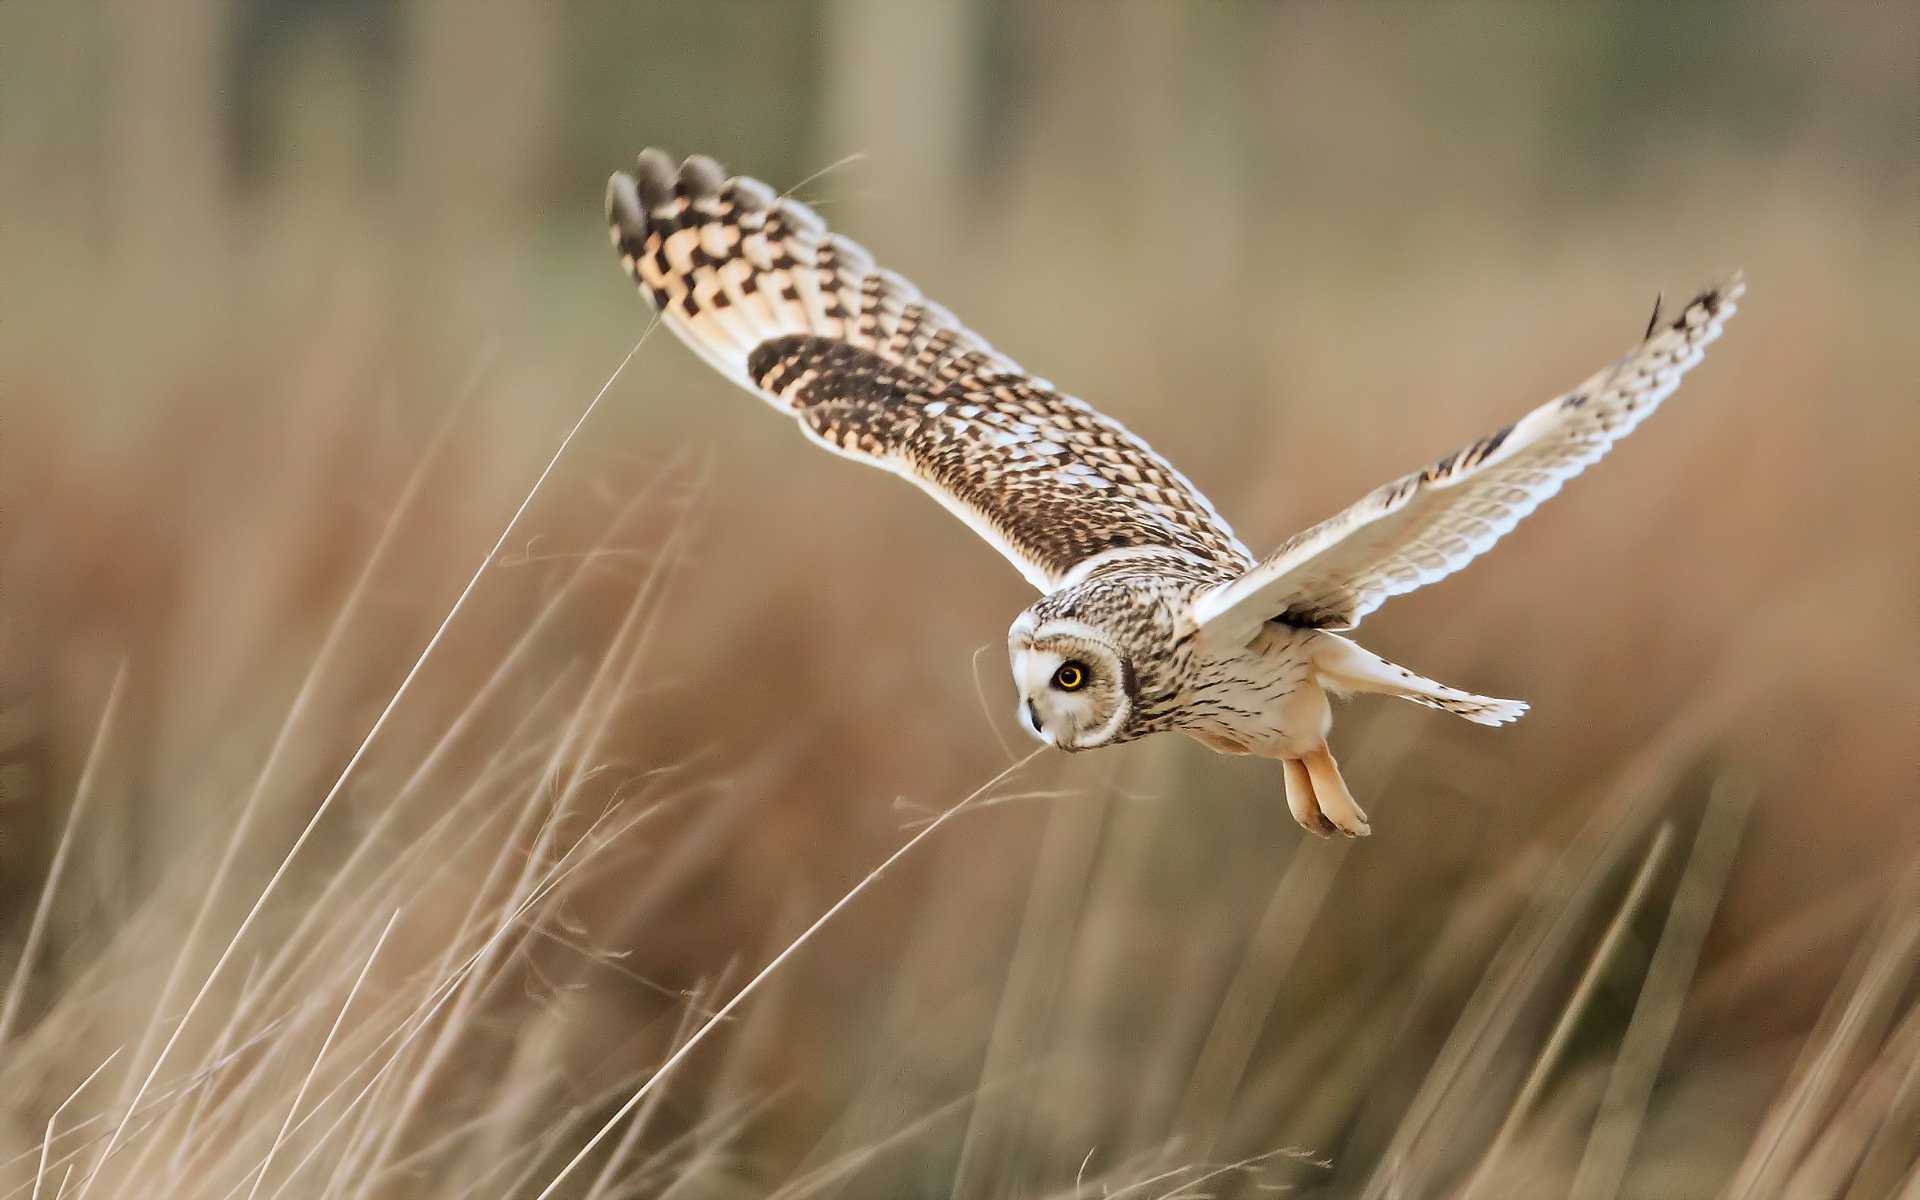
<point>307,890</point>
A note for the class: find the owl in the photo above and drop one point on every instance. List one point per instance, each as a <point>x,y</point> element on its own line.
<point>1153,616</point>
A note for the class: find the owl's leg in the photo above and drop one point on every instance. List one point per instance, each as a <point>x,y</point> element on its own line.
<point>1300,799</point>
<point>1336,802</point>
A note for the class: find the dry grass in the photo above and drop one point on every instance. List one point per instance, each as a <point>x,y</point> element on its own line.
<point>375,823</point>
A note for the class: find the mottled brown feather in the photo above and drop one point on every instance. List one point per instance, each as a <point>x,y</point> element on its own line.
<point>802,317</point>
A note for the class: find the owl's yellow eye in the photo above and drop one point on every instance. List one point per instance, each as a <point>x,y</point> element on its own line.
<point>1071,677</point>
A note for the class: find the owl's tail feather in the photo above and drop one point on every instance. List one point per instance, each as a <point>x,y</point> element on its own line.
<point>1481,710</point>
<point>1344,666</point>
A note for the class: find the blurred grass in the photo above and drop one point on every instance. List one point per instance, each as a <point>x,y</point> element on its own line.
<point>282,281</point>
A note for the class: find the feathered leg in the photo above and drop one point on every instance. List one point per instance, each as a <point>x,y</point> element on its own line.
<point>1330,790</point>
<point>1300,799</point>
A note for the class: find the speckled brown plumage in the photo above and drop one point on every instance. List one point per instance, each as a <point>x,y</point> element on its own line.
<point>1055,480</point>
<point>1155,617</point>
<point>874,371</point>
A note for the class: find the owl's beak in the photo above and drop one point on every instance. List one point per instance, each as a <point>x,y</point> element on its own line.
<point>1031,719</point>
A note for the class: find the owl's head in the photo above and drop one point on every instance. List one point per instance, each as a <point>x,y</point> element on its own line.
<point>1076,688</point>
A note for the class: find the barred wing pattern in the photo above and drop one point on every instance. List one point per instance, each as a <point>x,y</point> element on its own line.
<point>1426,526</point>
<point>758,287</point>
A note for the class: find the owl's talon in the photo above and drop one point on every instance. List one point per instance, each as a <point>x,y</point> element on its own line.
<point>1331,794</point>
<point>1301,801</point>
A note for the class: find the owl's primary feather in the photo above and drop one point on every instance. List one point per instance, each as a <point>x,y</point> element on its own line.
<point>1427,525</point>
<point>1155,617</point>
<point>802,317</point>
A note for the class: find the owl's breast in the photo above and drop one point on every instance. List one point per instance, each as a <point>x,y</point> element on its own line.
<point>1261,697</point>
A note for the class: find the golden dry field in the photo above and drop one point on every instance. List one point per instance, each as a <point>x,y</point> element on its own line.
<point>420,780</point>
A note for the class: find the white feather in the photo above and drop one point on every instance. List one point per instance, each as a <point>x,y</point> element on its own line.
<point>1426,526</point>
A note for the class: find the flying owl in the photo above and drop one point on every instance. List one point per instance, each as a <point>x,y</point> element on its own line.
<point>1153,615</point>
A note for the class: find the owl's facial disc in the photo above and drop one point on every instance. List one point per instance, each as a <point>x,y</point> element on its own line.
<point>1073,685</point>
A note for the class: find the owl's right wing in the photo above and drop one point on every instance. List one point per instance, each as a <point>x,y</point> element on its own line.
<point>759,288</point>
<point>1427,525</point>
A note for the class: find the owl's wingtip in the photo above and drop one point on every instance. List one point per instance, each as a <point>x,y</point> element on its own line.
<point>625,213</point>
<point>1731,291</point>
<point>700,177</point>
<point>1721,296</point>
<point>653,174</point>
<point>656,182</point>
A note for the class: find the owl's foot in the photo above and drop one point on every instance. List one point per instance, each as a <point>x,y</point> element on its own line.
<point>1318,796</point>
<point>1300,799</point>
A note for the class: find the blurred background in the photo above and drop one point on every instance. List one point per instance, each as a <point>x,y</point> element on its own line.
<point>307,889</point>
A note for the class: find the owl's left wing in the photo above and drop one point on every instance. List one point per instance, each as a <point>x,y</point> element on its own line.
<point>1427,525</point>
<point>802,317</point>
